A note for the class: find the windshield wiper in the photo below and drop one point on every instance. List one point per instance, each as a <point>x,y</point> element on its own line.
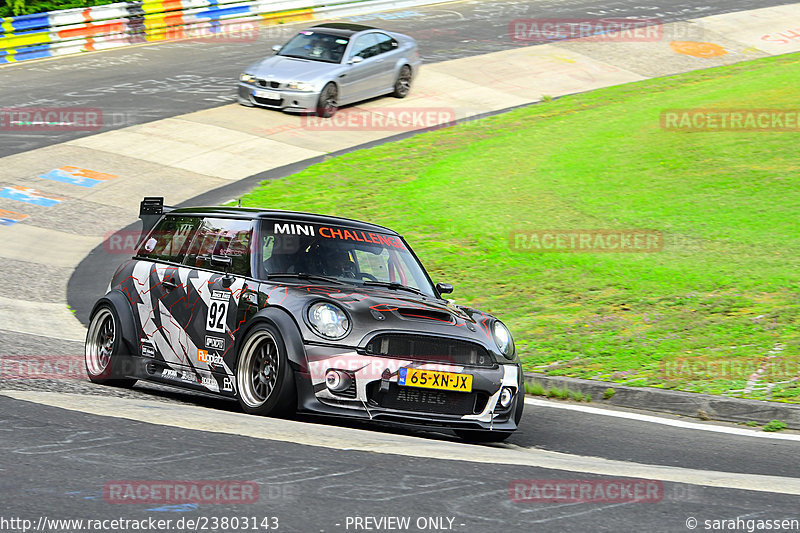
<point>303,275</point>
<point>393,285</point>
<point>295,57</point>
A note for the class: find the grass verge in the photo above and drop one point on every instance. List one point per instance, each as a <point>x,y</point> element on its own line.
<point>717,303</point>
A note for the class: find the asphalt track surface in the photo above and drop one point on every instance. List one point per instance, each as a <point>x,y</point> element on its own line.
<point>57,461</point>
<point>150,82</point>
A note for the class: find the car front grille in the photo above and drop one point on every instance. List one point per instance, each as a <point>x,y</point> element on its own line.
<point>268,83</point>
<point>268,102</point>
<point>427,400</point>
<point>431,349</point>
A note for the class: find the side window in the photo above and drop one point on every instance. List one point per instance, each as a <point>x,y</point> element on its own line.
<point>386,43</point>
<point>169,239</point>
<point>365,46</point>
<point>222,236</point>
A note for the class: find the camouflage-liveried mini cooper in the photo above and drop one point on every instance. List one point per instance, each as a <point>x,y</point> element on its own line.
<point>288,311</point>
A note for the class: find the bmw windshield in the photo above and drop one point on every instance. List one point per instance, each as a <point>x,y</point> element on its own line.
<point>314,252</point>
<point>316,46</point>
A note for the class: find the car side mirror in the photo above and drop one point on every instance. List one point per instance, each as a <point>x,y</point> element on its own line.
<point>355,60</point>
<point>444,288</point>
<point>276,48</point>
<point>225,262</point>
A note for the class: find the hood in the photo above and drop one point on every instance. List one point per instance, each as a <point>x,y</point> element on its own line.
<point>290,69</point>
<point>374,310</point>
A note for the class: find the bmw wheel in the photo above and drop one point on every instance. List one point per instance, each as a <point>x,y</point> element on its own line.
<point>103,348</point>
<point>264,378</point>
<point>402,86</point>
<point>327,106</point>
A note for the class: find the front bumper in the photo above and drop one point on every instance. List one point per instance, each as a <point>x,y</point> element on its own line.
<point>376,394</point>
<point>289,100</point>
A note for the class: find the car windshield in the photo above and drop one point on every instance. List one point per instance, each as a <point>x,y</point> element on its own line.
<point>303,251</point>
<point>316,46</point>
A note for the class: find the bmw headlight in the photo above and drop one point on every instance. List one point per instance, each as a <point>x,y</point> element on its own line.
<point>328,320</point>
<point>300,86</point>
<point>502,337</point>
<point>249,78</point>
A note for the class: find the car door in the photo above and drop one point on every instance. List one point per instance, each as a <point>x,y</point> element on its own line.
<point>361,78</point>
<point>389,50</point>
<point>219,285</point>
<point>158,294</point>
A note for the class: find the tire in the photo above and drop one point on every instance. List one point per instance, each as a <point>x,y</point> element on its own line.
<point>265,381</point>
<point>481,436</point>
<point>103,349</point>
<point>402,85</point>
<point>326,105</point>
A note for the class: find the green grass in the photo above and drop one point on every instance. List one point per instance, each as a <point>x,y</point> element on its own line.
<point>719,296</point>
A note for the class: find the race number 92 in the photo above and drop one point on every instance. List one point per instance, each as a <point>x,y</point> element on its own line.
<point>217,313</point>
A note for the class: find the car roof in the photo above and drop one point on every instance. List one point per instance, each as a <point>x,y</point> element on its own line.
<point>342,28</point>
<point>293,216</point>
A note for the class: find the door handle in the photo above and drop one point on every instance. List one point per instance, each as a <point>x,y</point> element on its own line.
<point>169,284</point>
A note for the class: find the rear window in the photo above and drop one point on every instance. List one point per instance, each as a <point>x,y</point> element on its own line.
<point>169,239</point>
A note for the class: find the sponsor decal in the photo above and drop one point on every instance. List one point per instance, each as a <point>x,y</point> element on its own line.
<point>294,229</point>
<point>217,313</point>
<point>360,236</point>
<point>220,295</point>
<point>148,350</point>
<point>169,373</point>
<point>77,176</point>
<point>227,384</point>
<point>208,382</point>
<point>204,356</point>
<point>215,343</point>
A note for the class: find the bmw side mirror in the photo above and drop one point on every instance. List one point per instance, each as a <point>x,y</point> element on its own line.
<point>356,60</point>
<point>276,48</point>
<point>444,288</point>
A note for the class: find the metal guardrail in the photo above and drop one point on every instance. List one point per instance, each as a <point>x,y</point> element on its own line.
<point>70,31</point>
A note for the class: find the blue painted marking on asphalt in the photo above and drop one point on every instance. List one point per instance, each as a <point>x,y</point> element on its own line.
<point>65,177</point>
<point>180,508</point>
<point>29,197</point>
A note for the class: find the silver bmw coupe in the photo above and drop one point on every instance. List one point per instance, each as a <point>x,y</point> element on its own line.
<point>331,65</point>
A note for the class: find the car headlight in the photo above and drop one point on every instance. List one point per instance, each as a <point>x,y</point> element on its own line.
<point>502,337</point>
<point>249,78</point>
<point>300,86</point>
<point>328,320</point>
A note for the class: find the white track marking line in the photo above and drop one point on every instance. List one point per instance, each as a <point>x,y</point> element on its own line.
<point>664,421</point>
<point>334,437</point>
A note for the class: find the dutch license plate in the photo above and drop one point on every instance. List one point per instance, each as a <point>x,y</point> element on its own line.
<point>430,379</point>
<point>269,95</point>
